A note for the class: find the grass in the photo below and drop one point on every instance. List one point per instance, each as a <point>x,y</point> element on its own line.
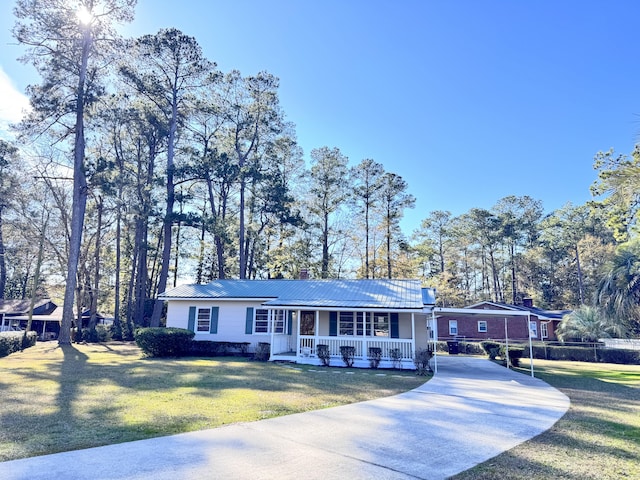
<point>58,399</point>
<point>598,438</point>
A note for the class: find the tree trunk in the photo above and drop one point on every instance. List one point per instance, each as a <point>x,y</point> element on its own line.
<point>79,202</point>
<point>3,265</point>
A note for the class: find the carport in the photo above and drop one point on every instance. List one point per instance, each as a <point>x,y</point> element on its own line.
<point>490,315</point>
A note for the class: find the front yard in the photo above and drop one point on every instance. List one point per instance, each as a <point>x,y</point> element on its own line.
<point>55,399</point>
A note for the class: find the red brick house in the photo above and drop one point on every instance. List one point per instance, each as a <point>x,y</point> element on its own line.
<point>489,319</point>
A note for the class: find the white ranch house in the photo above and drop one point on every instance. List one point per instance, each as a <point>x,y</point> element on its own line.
<point>295,316</point>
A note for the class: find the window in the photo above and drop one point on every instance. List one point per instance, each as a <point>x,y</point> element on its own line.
<point>345,323</point>
<point>453,327</point>
<point>482,326</point>
<point>381,325</point>
<point>265,320</point>
<point>544,330</point>
<point>533,326</point>
<point>203,323</point>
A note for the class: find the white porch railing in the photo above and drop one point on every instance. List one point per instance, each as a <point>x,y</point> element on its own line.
<point>307,346</point>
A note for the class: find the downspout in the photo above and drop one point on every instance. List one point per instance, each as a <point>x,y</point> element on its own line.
<point>413,333</point>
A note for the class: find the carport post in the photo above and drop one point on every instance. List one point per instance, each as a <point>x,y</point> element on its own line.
<point>530,344</point>
<point>434,332</point>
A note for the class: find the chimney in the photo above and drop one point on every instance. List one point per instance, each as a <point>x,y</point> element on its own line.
<point>527,302</point>
<point>304,274</point>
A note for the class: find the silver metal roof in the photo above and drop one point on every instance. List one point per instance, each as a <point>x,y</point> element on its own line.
<point>378,293</point>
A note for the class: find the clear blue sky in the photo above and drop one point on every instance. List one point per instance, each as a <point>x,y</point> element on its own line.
<point>469,101</point>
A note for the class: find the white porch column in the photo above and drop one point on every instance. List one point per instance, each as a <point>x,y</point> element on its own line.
<point>413,333</point>
<point>299,317</point>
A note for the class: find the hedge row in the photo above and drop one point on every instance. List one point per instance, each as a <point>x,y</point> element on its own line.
<point>178,342</point>
<point>586,354</point>
<point>11,342</point>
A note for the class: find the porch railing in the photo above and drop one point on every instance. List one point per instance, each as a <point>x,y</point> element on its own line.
<point>307,346</point>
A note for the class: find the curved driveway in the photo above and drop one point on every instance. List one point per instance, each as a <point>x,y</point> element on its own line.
<point>469,412</point>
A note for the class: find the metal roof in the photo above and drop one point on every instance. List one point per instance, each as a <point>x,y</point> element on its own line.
<point>378,293</point>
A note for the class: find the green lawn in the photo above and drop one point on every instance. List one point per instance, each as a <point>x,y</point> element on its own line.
<point>598,438</point>
<point>54,399</point>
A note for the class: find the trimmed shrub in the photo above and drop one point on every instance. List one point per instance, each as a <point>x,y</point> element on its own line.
<point>396,358</point>
<point>209,348</point>
<point>323,354</point>
<point>515,354</point>
<point>348,354</point>
<point>619,356</point>
<point>470,348</point>
<point>375,355</point>
<point>421,361</point>
<point>263,350</point>
<point>164,342</point>
<point>491,348</point>
<point>11,342</point>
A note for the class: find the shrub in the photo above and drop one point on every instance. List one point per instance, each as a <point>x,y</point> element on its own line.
<point>11,342</point>
<point>263,350</point>
<point>515,354</point>
<point>323,354</point>
<point>491,348</point>
<point>470,348</point>
<point>348,354</point>
<point>375,355</point>
<point>164,342</point>
<point>396,358</point>
<point>100,334</point>
<point>620,356</point>
<point>421,361</point>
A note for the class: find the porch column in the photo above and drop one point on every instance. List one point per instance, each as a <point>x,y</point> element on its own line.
<point>413,333</point>
<point>299,317</point>
<point>272,324</point>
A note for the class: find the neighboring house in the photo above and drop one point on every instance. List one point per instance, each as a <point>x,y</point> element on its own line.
<point>295,316</point>
<point>14,316</point>
<point>489,323</point>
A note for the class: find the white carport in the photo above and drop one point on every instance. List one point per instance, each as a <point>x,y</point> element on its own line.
<point>481,312</point>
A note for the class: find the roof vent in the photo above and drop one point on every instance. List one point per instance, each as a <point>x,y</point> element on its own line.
<point>304,274</point>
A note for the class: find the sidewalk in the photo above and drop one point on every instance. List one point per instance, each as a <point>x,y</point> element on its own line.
<point>470,411</point>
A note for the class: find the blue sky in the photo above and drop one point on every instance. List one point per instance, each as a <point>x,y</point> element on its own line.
<point>467,100</point>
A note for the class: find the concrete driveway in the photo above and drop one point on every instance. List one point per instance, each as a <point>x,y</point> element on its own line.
<point>470,411</point>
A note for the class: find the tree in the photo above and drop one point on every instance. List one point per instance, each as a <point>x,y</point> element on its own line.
<point>618,180</point>
<point>588,324</point>
<point>394,200</point>
<point>619,289</point>
<point>435,230</point>
<point>367,176</point>
<point>165,69</point>
<point>69,47</point>
<point>8,184</point>
<point>329,192</point>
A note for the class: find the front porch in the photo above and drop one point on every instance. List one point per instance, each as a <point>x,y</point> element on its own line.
<point>395,353</point>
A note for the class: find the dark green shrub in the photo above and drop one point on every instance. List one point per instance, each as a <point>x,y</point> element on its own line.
<point>470,348</point>
<point>421,361</point>
<point>164,342</point>
<point>515,354</point>
<point>375,355</point>
<point>208,348</point>
<point>491,348</point>
<point>396,357</point>
<point>619,356</point>
<point>348,354</point>
<point>263,350</point>
<point>323,354</point>
<point>100,334</point>
<point>11,342</point>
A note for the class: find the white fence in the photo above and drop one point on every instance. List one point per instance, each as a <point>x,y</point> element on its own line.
<point>625,343</point>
